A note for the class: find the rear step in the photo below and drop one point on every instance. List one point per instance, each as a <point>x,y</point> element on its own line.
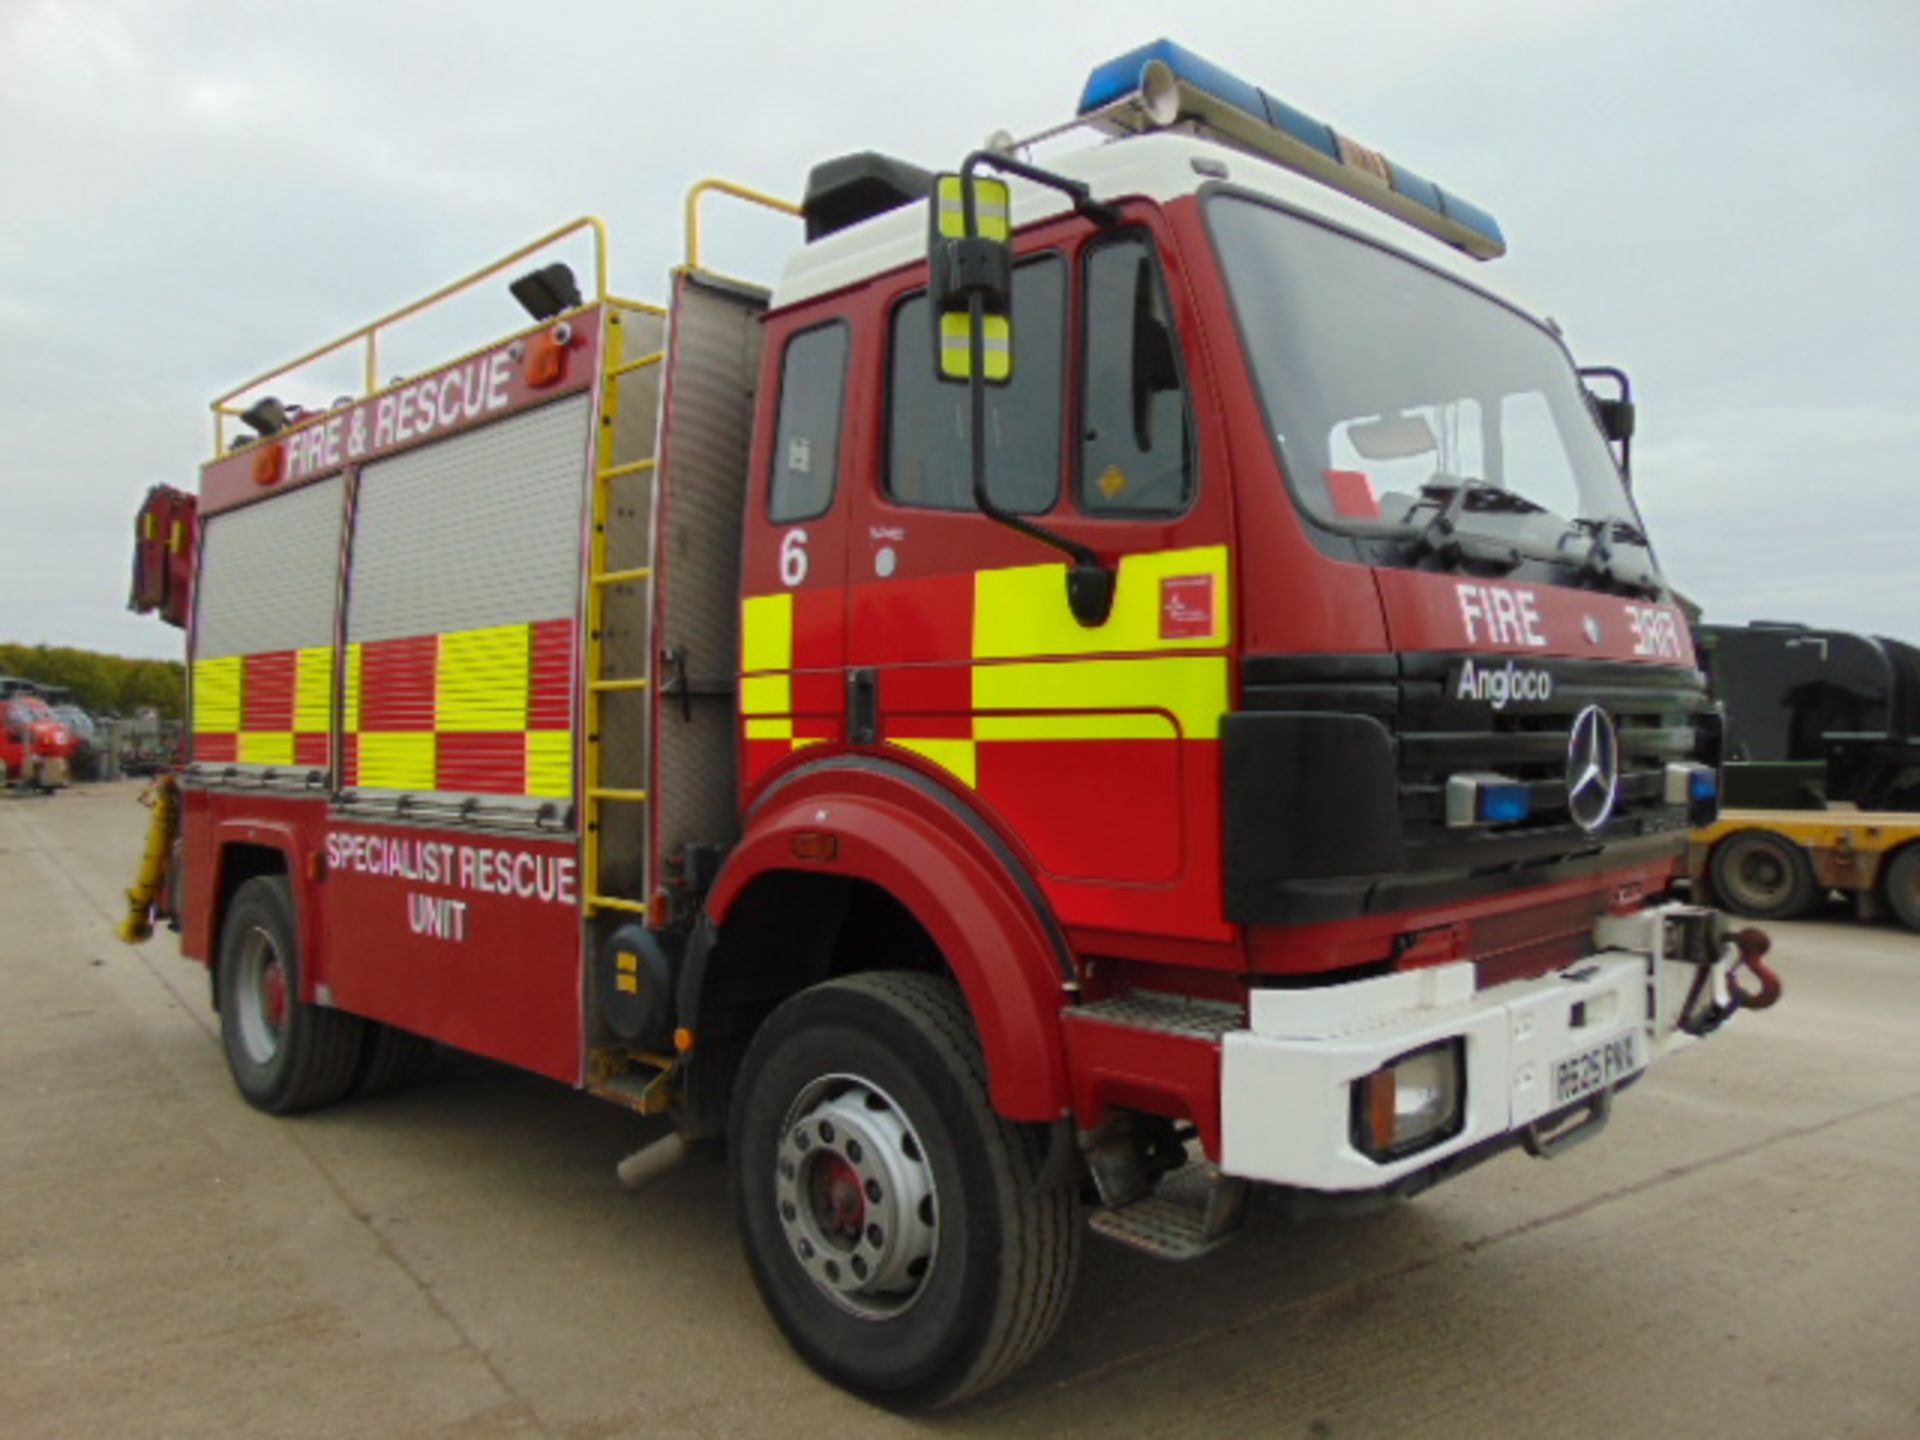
<point>1191,1211</point>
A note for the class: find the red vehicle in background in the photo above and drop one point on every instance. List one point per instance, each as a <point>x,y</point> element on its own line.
<point>36,746</point>
<point>1250,748</point>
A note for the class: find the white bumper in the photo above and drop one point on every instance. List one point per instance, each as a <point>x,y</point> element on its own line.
<point>1286,1081</point>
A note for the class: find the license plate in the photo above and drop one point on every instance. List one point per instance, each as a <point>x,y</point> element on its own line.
<point>1605,1064</point>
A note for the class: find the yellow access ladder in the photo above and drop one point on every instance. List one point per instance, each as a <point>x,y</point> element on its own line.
<point>622,592</point>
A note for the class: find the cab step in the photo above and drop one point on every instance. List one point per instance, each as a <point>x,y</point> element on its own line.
<point>1191,1211</point>
<point>1163,1014</point>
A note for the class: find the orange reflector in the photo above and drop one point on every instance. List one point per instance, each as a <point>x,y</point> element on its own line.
<point>815,845</point>
<point>1380,1107</point>
<point>683,1039</point>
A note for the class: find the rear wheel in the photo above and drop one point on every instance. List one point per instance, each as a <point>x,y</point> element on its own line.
<point>1763,876</point>
<point>1903,886</point>
<point>285,1055</point>
<point>894,1223</point>
<point>391,1059</point>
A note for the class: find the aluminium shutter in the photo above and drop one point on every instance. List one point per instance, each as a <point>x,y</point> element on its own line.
<point>268,572</point>
<point>263,658</point>
<point>475,533</point>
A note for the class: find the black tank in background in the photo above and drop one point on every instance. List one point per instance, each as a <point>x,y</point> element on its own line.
<point>1815,716</point>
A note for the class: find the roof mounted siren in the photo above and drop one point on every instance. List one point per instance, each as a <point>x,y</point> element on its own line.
<point>1162,85</point>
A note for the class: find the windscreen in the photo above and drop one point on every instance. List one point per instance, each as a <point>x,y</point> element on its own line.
<point>1392,390</point>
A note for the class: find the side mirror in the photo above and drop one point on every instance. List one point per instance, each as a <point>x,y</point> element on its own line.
<point>1155,368</point>
<point>1615,417</point>
<point>970,280</point>
<point>1613,414</point>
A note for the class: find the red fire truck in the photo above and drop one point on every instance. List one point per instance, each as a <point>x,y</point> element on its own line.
<point>1110,687</point>
<point>36,745</point>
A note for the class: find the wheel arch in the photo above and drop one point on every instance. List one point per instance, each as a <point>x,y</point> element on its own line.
<point>909,860</point>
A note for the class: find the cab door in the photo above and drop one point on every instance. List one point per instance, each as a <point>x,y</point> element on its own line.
<point>793,606</point>
<point>1092,748</point>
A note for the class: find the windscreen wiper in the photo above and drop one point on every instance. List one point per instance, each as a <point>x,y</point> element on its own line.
<point>1596,566</point>
<point>1442,537</point>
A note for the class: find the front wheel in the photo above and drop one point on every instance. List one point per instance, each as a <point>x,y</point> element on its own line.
<point>284,1054</point>
<point>896,1226</point>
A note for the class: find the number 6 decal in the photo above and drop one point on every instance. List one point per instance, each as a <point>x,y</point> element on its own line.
<point>793,557</point>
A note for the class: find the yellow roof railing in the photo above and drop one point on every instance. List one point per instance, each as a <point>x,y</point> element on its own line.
<point>738,192</point>
<point>368,335</point>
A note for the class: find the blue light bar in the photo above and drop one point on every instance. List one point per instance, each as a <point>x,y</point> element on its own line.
<point>1249,117</point>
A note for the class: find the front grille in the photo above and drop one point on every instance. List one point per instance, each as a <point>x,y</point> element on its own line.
<point>1661,715</point>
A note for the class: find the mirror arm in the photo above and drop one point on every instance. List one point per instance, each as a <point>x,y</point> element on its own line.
<point>1618,377</point>
<point>1089,582</point>
<point>1078,191</point>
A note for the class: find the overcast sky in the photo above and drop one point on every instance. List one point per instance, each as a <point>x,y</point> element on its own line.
<point>1723,198</point>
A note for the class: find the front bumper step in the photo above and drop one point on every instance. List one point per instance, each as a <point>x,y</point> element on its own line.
<point>1190,1212</point>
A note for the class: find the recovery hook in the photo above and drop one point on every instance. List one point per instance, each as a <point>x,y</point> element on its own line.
<point>1703,1014</point>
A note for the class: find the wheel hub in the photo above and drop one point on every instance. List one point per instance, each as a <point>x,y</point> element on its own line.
<point>273,995</point>
<point>261,996</point>
<point>855,1196</point>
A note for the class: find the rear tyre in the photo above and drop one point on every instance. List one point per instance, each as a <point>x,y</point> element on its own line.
<point>285,1055</point>
<point>1763,876</point>
<point>895,1225</point>
<point>391,1059</point>
<point>1903,886</point>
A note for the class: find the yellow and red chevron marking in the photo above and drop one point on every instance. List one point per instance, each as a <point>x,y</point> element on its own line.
<point>486,711</point>
<point>274,708</point>
<point>996,656</point>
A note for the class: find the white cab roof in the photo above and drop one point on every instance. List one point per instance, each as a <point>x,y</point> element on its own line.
<point>1158,167</point>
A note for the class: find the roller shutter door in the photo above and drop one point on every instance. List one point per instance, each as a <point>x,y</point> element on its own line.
<point>464,585</point>
<point>263,638</point>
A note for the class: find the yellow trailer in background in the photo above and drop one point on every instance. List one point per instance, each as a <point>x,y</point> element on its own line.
<point>1775,864</point>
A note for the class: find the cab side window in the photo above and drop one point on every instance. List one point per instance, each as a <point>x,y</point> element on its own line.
<point>928,454</point>
<point>1136,428</point>
<point>806,442</point>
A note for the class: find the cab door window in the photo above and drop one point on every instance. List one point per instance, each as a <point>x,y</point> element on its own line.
<point>1136,428</point>
<point>806,443</point>
<point>928,455</point>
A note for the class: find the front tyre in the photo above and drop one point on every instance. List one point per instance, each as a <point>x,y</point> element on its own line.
<point>285,1055</point>
<point>894,1223</point>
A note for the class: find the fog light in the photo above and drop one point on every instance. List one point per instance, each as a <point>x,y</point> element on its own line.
<point>1411,1103</point>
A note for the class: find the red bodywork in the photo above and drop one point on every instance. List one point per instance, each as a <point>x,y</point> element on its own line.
<point>1121,837</point>
<point>1058,871</point>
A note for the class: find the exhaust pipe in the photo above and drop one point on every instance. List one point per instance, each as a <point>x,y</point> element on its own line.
<point>653,1163</point>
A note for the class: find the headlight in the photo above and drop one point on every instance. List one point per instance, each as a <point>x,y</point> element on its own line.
<point>1411,1103</point>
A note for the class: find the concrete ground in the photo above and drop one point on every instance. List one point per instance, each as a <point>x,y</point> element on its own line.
<point>1739,1255</point>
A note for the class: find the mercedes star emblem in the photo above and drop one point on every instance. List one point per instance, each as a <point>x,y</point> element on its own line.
<point>1593,768</point>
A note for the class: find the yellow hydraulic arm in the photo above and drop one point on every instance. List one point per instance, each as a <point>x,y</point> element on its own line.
<point>161,829</point>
